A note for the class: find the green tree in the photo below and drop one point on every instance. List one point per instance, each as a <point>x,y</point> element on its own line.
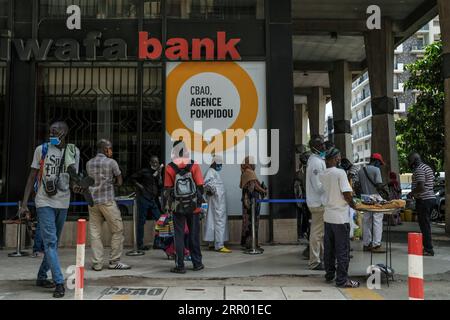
<point>423,128</point>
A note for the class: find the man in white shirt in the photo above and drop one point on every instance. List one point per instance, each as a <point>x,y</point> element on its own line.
<point>337,199</point>
<point>314,194</point>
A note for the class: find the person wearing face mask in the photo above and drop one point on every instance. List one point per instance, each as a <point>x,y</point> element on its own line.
<point>371,182</point>
<point>314,200</point>
<point>422,191</point>
<point>216,227</point>
<point>106,173</point>
<point>149,185</point>
<point>52,188</point>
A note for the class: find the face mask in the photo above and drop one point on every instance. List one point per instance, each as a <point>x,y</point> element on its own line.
<point>322,154</point>
<point>55,141</point>
<point>218,167</point>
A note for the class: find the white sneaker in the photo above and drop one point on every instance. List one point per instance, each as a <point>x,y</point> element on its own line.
<point>119,266</point>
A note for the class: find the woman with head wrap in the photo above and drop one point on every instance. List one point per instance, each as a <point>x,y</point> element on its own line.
<point>216,227</point>
<point>251,189</point>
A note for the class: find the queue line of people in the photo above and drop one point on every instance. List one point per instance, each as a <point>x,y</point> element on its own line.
<point>181,186</point>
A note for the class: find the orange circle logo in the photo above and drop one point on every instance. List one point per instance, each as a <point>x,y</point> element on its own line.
<point>244,86</point>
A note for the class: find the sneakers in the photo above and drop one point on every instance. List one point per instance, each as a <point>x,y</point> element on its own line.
<point>118,266</point>
<point>198,268</point>
<point>97,267</point>
<point>428,253</point>
<point>378,249</point>
<point>349,284</point>
<point>36,254</point>
<point>178,270</point>
<point>224,250</point>
<point>45,284</point>
<point>59,291</point>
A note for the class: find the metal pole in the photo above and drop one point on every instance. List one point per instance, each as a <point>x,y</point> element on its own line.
<point>254,250</point>
<point>18,252</point>
<point>136,251</point>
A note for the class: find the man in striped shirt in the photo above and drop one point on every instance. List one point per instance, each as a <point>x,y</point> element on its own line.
<point>422,191</point>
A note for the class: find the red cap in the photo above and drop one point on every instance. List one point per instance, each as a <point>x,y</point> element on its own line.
<point>378,156</point>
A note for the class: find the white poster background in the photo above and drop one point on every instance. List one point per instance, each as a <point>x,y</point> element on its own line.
<point>221,86</point>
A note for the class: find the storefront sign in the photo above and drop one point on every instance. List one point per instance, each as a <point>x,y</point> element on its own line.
<point>116,49</point>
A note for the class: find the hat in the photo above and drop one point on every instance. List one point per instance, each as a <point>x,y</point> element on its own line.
<point>377,156</point>
<point>331,153</point>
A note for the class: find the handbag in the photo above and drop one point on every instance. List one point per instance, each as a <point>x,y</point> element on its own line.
<point>381,190</point>
<point>51,185</point>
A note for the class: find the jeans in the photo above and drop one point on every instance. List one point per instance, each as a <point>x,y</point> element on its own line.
<point>337,249</point>
<point>424,208</point>
<point>193,222</point>
<point>51,222</point>
<point>38,244</point>
<point>143,206</point>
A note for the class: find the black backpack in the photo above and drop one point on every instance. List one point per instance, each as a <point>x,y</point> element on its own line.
<point>184,189</point>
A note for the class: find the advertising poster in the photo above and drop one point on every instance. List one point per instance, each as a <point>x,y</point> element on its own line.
<point>222,108</point>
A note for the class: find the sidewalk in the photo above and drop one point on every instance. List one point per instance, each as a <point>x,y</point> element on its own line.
<point>279,273</point>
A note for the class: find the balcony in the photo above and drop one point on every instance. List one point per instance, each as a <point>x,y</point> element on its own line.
<point>363,79</point>
<point>399,68</point>
<point>401,108</point>
<point>361,135</point>
<point>360,118</point>
<point>418,49</point>
<point>399,88</point>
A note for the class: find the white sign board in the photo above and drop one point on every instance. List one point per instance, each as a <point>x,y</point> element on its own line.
<point>211,100</point>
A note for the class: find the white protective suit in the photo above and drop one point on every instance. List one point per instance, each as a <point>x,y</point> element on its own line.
<point>216,227</point>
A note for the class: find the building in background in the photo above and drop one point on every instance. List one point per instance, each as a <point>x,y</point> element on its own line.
<point>407,53</point>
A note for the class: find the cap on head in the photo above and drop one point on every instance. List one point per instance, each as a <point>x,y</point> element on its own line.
<point>331,153</point>
<point>316,141</point>
<point>377,156</point>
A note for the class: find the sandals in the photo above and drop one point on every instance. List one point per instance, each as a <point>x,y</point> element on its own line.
<point>350,284</point>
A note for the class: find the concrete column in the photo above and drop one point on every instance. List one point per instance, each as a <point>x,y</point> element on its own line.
<point>380,61</point>
<point>301,124</point>
<point>280,102</point>
<point>444,17</point>
<point>316,111</point>
<point>341,97</point>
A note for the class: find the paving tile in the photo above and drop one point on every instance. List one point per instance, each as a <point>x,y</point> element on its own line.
<point>253,293</point>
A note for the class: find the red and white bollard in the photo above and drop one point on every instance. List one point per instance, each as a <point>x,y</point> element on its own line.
<point>79,267</point>
<point>415,266</point>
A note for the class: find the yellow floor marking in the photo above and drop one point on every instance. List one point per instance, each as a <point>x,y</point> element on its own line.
<point>121,297</point>
<point>362,294</point>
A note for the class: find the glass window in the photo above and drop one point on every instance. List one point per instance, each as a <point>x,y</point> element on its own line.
<point>3,106</point>
<point>99,9</point>
<point>101,101</point>
<point>216,9</point>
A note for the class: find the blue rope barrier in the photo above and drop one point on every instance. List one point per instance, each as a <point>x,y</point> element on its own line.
<point>9,204</point>
<point>281,201</point>
<point>73,204</point>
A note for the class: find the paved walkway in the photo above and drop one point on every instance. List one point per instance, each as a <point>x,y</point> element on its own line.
<point>279,273</point>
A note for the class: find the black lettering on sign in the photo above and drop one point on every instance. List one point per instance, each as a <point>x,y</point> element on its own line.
<point>155,292</point>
